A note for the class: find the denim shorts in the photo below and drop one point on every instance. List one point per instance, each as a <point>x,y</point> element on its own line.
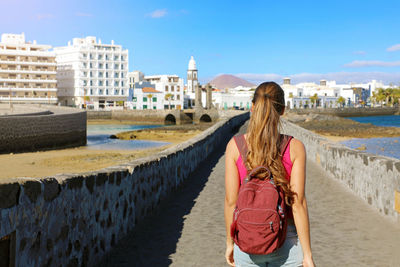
<point>290,254</point>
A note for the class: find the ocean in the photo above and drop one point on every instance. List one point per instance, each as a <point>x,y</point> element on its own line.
<point>385,146</point>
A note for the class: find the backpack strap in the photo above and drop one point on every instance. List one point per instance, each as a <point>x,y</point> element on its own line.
<point>242,146</point>
<point>285,142</point>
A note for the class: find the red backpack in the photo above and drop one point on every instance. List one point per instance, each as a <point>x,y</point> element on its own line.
<point>259,219</point>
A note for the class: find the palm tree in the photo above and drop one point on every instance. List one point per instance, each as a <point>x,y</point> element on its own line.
<point>150,96</point>
<point>168,97</point>
<point>341,101</point>
<point>314,99</point>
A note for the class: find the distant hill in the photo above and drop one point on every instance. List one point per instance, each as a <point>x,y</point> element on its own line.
<point>229,81</point>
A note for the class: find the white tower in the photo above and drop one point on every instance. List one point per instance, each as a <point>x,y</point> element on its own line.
<point>192,76</point>
<point>193,83</point>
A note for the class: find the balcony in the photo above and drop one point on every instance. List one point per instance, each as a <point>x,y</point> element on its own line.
<point>20,80</point>
<point>25,89</point>
<point>28,99</point>
<point>27,71</point>
<point>34,63</point>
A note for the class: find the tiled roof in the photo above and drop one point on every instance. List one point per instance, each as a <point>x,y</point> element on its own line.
<point>149,90</point>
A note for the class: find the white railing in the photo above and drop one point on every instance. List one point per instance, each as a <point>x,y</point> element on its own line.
<point>30,89</point>
<point>18,62</point>
<point>27,80</point>
<point>27,71</point>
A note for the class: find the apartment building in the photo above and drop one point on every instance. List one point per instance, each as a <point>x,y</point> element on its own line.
<point>91,74</point>
<point>27,71</point>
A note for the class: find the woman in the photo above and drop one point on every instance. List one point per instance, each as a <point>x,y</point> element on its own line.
<point>288,171</point>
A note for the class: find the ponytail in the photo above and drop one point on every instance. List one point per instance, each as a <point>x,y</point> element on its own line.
<point>263,135</point>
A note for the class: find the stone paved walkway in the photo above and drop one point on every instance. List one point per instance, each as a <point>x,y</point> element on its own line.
<point>188,229</point>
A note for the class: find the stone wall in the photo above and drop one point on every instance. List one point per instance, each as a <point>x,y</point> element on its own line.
<point>59,127</point>
<point>376,179</point>
<point>74,219</point>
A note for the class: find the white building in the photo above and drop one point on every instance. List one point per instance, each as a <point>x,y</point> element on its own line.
<point>91,73</point>
<point>193,86</point>
<point>27,71</point>
<point>328,93</point>
<point>167,89</point>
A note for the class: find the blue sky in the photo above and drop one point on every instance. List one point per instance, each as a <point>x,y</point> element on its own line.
<point>257,40</point>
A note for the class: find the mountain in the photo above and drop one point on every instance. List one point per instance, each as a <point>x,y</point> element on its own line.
<point>229,81</point>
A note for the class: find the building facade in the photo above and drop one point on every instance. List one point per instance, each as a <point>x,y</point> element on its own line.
<point>27,71</point>
<point>168,90</point>
<point>91,74</point>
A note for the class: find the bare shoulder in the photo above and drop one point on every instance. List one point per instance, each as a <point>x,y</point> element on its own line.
<point>297,149</point>
<point>231,149</point>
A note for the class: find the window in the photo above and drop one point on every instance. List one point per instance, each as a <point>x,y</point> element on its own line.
<point>122,92</point>
<point>154,99</point>
<point>106,65</point>
<point>100,75</point>
<point>178,97</point>
<point>106,74</point>
<point>106,83</point>
<point>100,83</point>
<point>115,92</point>
<point>100,57</point>
<point>144,106</point>
<point>91,65</point>
<point>100,66</point>
<point>122,57</point>
<point>91,74</point>
<point>144,99</point>
<point>166,88</point>
<point>91,91</point>
<point>134,99</point>
<point>122,83</point>
<point>122,66</point>
<point>106,91</point>
<point>91,83</point>
<point>115,57</point>
<point>122,75</point>
<point>115,83</point>
<point>100,91</point>
<point>154,107</point>
<point>172,88</point>
<point>178,88</point>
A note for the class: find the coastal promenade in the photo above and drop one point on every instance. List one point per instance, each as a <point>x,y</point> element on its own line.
<point>188,228</point>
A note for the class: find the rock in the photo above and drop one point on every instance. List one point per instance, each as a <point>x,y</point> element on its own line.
<point>113,136</point>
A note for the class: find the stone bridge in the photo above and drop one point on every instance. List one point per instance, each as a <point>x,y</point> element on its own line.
<point>166,116</point>
<point>167,209</point>
<point>188,228</point>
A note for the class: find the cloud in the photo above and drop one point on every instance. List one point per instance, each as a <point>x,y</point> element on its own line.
<point>393,48</point>
<point>159,13</point>
<point>371,63</point>
<point>81,14</point>
<point>44,16</point>
<point>339,77</point>
<point>360,52</point>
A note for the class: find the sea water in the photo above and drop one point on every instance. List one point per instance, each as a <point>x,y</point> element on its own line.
<point>98,137</point>
<point>386,146</point>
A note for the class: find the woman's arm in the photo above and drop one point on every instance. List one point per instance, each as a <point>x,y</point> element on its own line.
<point>299,207</point>
<point>231,193</point>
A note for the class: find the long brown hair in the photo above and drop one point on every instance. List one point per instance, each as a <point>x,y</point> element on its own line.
<point>263,135</point>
